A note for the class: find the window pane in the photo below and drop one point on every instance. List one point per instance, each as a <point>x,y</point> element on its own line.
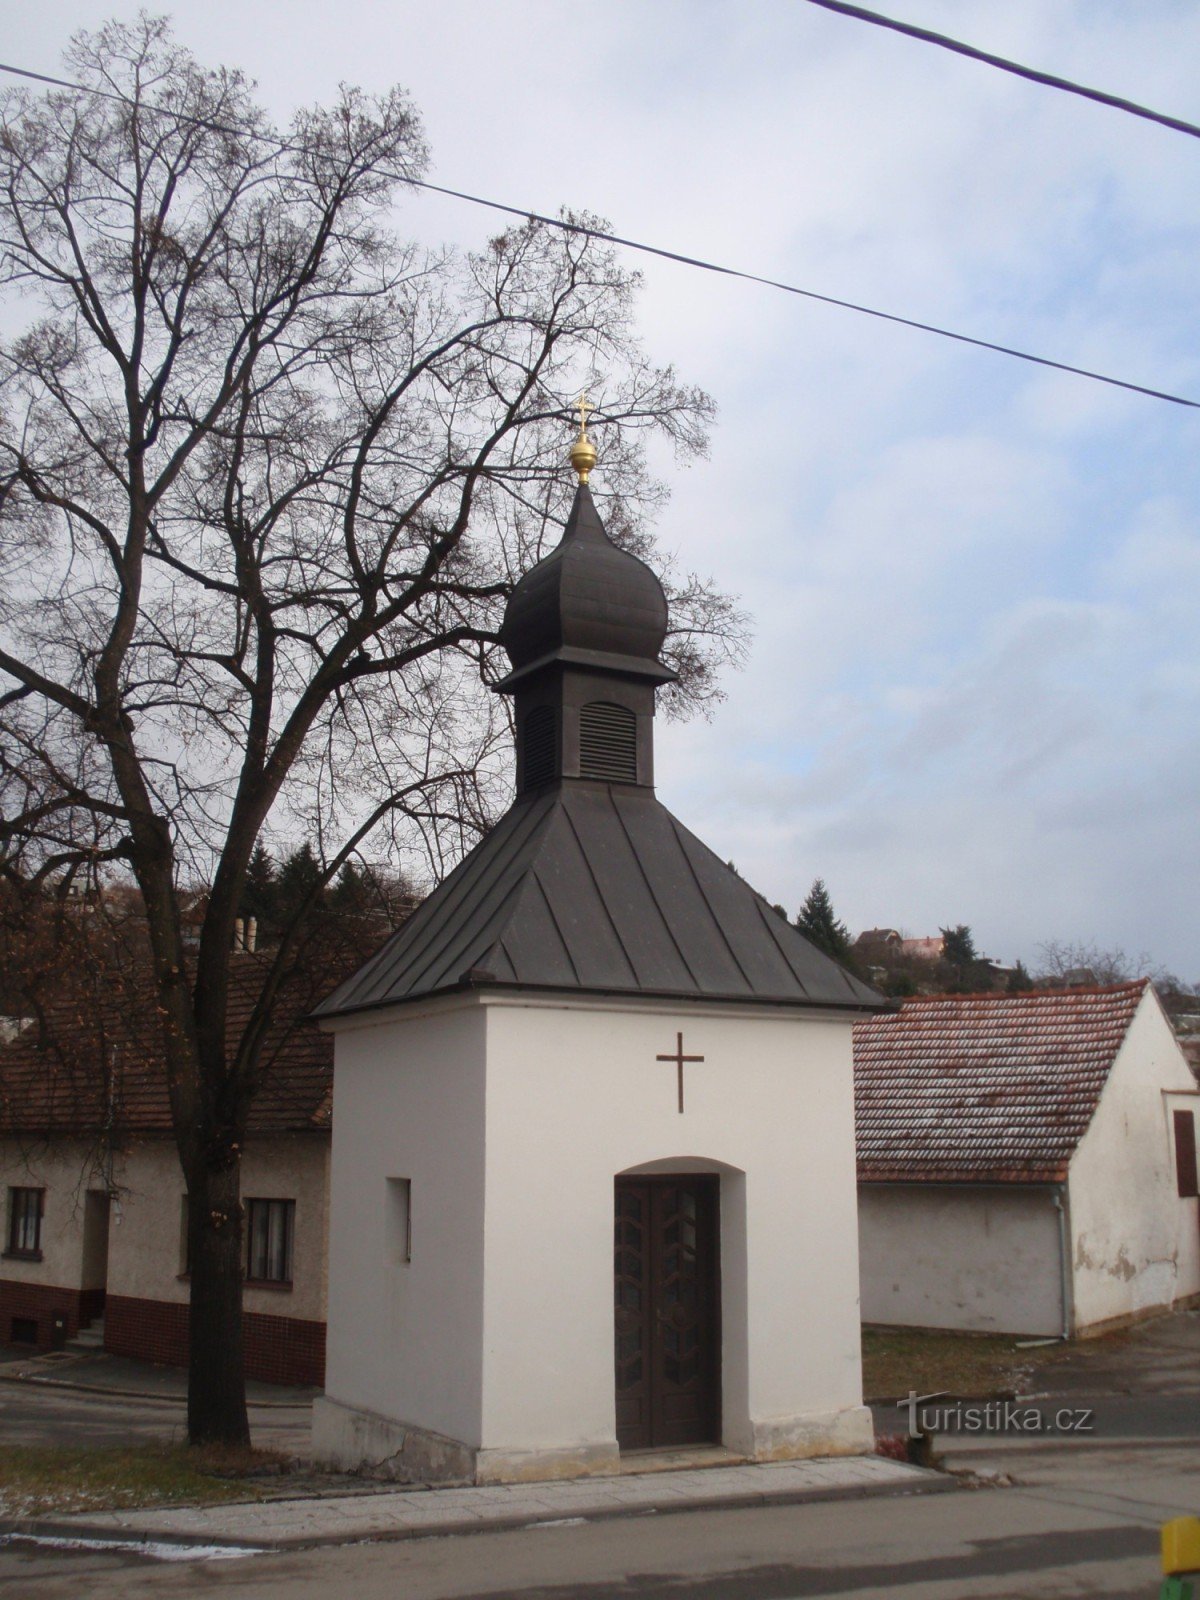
<point>25,1220</point>
<point>269,1240</point>
<point>258,1219</point>
<point>276,1242</point>
<point>398,1220</point>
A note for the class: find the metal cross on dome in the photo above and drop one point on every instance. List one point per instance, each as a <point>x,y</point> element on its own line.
<point>679,1058</point>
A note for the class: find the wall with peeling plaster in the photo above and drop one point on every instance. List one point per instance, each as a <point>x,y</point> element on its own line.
<point>1135,1244</point>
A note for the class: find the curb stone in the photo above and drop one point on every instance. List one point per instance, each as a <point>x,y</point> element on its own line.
<point>929,1482</point>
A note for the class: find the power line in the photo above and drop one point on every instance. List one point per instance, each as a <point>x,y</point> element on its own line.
<point>1047,79</point>
<point>698,262</point>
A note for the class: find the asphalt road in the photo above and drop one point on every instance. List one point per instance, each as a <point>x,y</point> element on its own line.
<point>988,1544</point>
<point>34,1415</point>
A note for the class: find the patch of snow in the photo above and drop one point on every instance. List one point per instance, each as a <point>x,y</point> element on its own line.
<point>154,1549</point>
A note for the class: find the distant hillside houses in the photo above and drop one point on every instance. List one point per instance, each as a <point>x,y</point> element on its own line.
<point>879,951</point>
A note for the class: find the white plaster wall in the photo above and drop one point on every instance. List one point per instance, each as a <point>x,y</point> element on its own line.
<point>1135,1243</point>
<point>65,1172</point>
<point>576,1096</point>
<point>979,1259</point>
<point>146,1246</point>
<point>404,1340</point>
<point>145,1228</point>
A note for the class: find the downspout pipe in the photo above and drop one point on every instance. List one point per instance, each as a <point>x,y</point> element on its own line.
<point>1064,1257</point>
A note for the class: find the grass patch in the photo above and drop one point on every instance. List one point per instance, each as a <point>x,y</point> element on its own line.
<point>34,1481</point>
<point>896,1360</point>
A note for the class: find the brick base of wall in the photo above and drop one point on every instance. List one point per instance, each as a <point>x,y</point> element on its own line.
<point>53,1313</point>
<point>278,1349</point>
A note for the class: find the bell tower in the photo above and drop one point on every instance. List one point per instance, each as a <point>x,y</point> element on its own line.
<point>583,630</point>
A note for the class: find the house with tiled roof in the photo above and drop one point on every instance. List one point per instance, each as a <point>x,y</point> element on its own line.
<point>95,1235</point>
<point>1026,1163</point>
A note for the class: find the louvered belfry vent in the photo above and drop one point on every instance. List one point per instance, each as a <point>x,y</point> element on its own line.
<point>608,743</point>
<point>541,762</point>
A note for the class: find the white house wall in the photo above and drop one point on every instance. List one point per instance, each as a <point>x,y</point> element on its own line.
<point>146,1256</point>
<point>405,1338</point>
<point>984,1260</point>
<point>145,1233</point>
<point>1135,1243</point>
<point>65,1172</point>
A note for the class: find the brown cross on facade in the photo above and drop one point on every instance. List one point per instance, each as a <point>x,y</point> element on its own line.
<point>679,1058</point>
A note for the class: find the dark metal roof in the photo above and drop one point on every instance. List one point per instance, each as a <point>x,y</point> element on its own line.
<point>588,601</point>
<point>591,888</point>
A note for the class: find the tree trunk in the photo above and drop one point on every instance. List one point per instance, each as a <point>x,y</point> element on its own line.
<point>216,1380</point>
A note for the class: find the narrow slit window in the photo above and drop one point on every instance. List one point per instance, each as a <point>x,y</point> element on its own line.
<point>399,1220</point>
<point>1185,1154</point>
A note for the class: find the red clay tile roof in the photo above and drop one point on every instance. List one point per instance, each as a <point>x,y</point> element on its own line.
<point>61,1085</point>
<point>985,1088</point>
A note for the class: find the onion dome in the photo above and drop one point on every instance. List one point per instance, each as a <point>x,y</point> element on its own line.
<point>589,603</point>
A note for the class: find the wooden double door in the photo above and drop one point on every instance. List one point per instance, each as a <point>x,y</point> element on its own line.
<point>668,1335</point>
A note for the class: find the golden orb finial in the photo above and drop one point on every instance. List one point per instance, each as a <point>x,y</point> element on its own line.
<point>583,451</point>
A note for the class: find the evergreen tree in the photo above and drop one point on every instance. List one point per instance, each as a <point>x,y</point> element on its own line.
<point>351,890</point>
<point>900,985</point>
<point>299,875</point>
<point>817,922</point>
<point>958,946</point>
<point>1018,980</point>
<point>362,891</point>
<point>260,897</point>
<point>968,971</point>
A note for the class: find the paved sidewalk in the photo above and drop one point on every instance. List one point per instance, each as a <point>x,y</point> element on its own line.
<point>422,1513</point>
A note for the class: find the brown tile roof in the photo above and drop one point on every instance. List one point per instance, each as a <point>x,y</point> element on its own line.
<point>98,1057</point>
<point>995,1088</point>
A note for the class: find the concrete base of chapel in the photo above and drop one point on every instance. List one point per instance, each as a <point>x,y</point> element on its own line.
<point>798,1438</point>
<point>353,1439</point>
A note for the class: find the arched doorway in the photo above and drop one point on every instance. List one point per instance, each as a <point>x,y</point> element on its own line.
<point>666,1283</point>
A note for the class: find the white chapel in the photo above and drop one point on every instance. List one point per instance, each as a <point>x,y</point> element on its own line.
<point>593,1172</point>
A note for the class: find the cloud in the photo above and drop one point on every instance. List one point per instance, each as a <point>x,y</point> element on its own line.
<point>973,694</point>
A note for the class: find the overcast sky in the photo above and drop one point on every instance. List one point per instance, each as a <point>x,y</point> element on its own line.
<point>974,691</point>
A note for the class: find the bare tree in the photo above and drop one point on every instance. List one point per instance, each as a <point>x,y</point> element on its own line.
<point>1084,962</point>
<point>1061,962</point>
<point>266,477</point>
